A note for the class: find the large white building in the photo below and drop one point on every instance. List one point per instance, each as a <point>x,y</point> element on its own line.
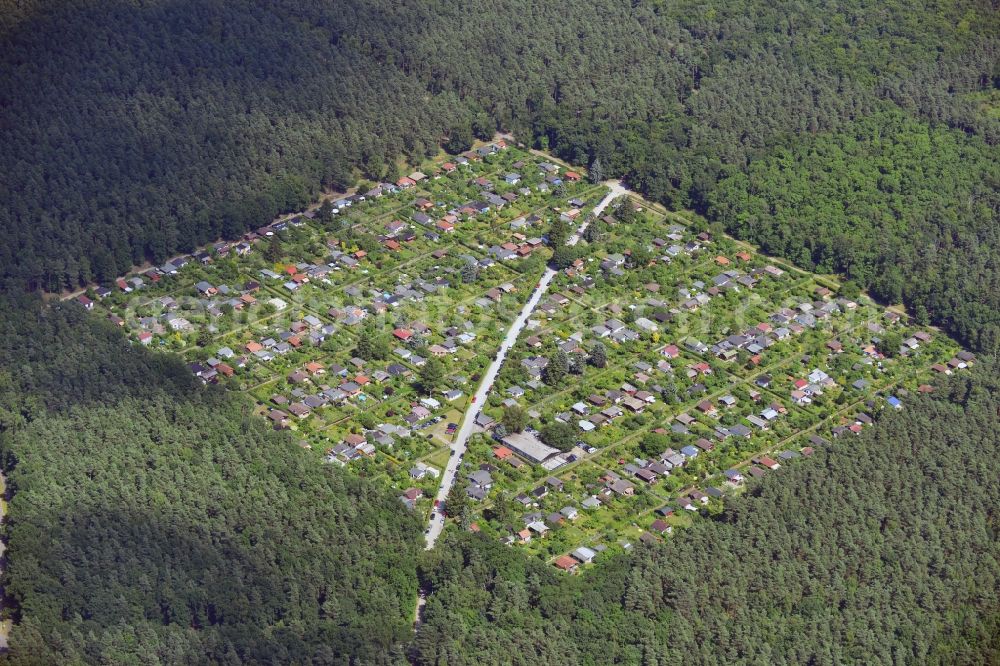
<point>527,445</point>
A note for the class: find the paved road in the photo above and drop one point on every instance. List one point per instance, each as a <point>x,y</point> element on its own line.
<point>458,447</point>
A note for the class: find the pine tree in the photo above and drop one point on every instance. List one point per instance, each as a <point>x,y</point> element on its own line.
<point>559,232</point>
<point>514,419</point>
<point>274,252</point>
<point>372,345</point>
<point>557,368</point>
<point>599,355</point>
<point>593,233</point>
<point>596,173</point>
<point>431,375</point>
<point>325,212</point>
<point>469,273</point>
<point>457,499</point>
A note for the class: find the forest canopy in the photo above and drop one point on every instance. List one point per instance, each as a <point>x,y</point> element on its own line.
<point>136,130</point>
<point>883,551</point>
<point>133,130</point>
<point>154,521</point>
<point>908,211</point>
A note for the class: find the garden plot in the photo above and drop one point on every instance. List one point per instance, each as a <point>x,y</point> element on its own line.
<point>652,386</point>
<point>330,321</point>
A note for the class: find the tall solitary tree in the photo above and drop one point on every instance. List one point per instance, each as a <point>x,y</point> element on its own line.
<point>559,232</point>
<point>564,256</point>
<point>594,232</point>
<point>599,355</point>
<point>557,368</point>
<point>457,500</point>
<point>274,252</point>
<point>890,343</point>
<point>469,273</point>
<point>514,419</point>
<point>431,375</point>
<point>596,172</point>
<point>372,344</point>
<point>325,212</point>
<point>559,435</point>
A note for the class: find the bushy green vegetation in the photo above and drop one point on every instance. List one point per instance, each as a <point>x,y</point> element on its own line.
<point>154,521</point>
<point>884,551</point>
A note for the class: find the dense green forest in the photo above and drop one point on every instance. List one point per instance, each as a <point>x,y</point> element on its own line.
<point>154,521</point>
<point>909,211</point>
<point>881,551</point>
<point>140,129</point>
<point>133,130</point>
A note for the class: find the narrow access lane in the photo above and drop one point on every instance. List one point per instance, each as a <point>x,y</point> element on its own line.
<point>459,446</point>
